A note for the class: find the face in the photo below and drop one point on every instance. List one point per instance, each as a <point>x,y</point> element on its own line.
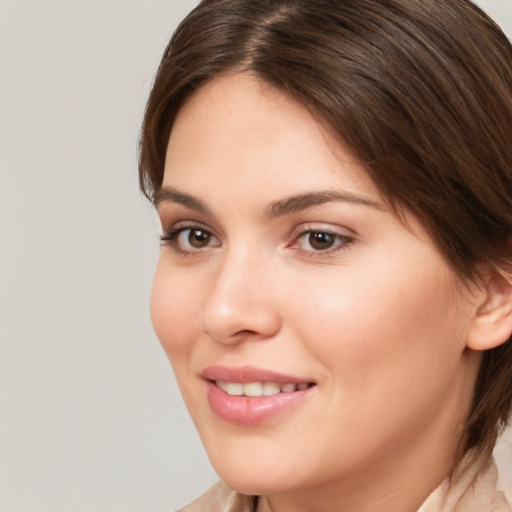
<point>314,336</point>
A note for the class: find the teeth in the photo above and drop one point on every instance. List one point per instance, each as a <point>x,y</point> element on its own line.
<point>234,388</point>
<point>221,384</point>
<point>270,388</point>
<point>255,389</point>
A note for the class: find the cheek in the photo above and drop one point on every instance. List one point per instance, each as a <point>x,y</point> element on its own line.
<point>174,305</point>
<point>390,353</point>
<point>382,324</point>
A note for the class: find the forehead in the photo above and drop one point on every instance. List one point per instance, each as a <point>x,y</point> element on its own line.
<point>239,130</point>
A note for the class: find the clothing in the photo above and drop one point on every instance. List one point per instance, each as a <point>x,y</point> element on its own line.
<point>473,491</point>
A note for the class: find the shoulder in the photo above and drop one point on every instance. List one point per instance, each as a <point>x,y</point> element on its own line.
<point>221,498</point>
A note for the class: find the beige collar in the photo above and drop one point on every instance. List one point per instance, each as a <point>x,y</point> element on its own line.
<point>473,491</point>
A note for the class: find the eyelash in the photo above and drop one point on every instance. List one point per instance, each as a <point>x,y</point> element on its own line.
<point>340,242</point>
<point>171,238</point>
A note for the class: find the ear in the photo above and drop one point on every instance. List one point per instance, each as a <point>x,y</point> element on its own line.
<point>492,322</point>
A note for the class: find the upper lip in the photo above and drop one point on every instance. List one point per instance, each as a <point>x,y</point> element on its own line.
<point>245,374</point>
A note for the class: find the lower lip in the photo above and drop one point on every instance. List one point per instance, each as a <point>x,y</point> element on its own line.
<point>244,410</point>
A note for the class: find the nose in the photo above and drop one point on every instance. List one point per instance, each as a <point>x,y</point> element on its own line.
<point>241,303</point>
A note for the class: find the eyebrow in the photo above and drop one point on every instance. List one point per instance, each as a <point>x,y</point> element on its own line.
<point>167,194</point>
<point>276,209</point>
<point>308,200</point>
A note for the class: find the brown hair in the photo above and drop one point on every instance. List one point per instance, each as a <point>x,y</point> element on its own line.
<point>421,90</point>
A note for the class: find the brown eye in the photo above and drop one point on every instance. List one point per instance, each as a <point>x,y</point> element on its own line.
<point>312,242</point>
<point>198,238</point>
<point>190,240</point>
<point>321,241</point>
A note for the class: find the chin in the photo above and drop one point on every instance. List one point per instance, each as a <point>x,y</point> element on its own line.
<point>255,475</point>
<point>257,483</point>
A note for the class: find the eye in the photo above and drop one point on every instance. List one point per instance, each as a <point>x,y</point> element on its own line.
<point>190,239</point>
<point>318,241</point>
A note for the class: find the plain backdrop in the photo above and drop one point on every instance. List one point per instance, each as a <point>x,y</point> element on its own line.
<point>90,416</point>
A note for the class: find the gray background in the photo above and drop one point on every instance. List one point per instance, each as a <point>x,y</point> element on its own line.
<point>90,416</point>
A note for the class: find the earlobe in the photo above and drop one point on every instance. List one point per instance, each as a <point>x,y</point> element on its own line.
<point>492,322</point>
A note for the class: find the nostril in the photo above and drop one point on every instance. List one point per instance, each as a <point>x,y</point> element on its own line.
<point>247,332</point>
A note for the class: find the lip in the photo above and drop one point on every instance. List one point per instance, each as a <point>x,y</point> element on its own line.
<point>244,410</point>
<point>245,374</point>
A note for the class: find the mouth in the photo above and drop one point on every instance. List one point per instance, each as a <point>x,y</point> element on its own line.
<point>261,388</point>
<point>251,396</point>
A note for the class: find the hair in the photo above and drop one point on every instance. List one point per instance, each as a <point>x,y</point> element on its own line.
<point>421,90</point>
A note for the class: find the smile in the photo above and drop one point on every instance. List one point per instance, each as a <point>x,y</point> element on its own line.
<point>256,389</point>
<point>249,396</point>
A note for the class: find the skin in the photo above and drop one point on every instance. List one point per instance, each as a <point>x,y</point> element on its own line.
<point>377,320</point>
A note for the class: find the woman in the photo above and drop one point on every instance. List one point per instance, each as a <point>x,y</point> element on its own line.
<point>334,183</point>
